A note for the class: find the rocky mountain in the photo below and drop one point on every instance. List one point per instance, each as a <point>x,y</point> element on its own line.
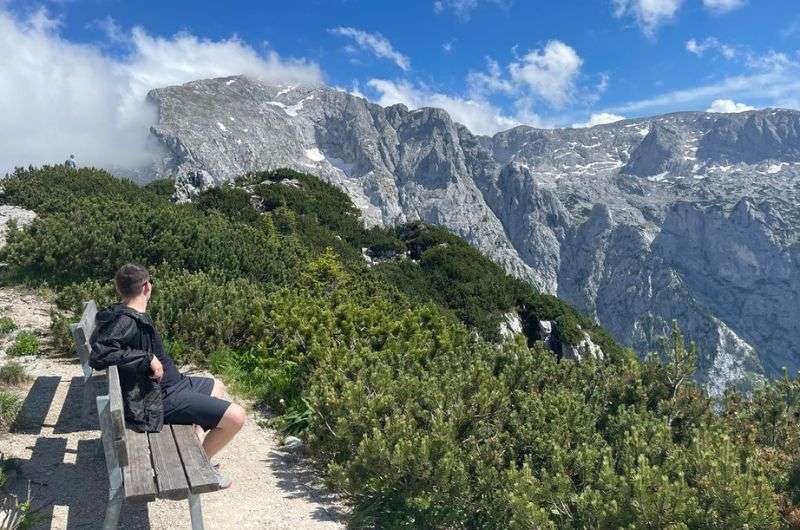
<point>688,216</point>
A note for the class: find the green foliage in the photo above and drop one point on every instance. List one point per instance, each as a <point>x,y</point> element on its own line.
<point>53,188</point>
<point>311,198</point>
<point>452,273</point>
<point>86,242</point>
<point>7,325</point>
<point>10,405</point>
<point>163,188</point>
<point>13,374</point>
<point>229,201</point>
<point>416,419</point>
<point>25,343</point>
<point>60,332</point>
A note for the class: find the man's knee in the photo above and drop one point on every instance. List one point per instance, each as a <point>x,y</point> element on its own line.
<point>234,418</point>
<point>219,389</point>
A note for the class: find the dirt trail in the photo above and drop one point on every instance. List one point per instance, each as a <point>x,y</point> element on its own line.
<point>50,448</point>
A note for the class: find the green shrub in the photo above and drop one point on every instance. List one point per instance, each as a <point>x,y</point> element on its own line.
<point>7,325</point>
<point>163,188</point>
<point>25,343</point>
<point>10,405</point>
<point>51,189</point>
<point>60,332</point>
<point>72,297</point>
<point>326,204</point>
<point>232,202</point>
<point>86,243</point>
<point>416,419</point>
<point>13,374</point>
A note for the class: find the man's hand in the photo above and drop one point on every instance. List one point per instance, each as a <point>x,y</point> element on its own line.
<point>157,368</point>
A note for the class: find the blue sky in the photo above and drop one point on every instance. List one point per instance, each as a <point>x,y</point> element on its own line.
<point>491,63</point>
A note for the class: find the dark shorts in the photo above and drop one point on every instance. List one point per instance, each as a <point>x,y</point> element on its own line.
<point>189,402</point>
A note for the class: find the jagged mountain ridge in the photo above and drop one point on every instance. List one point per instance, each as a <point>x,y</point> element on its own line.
<point>688,216</point>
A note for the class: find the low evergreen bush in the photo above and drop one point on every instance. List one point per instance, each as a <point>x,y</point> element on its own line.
<point>412,406</point>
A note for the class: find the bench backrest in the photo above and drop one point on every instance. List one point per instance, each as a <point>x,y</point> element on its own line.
<point>82,334</point>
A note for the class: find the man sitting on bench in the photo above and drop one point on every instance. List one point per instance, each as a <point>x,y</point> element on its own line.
<point>154,391</point>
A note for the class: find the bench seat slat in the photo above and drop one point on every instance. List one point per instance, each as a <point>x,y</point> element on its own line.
<point>170,477</point>
<point>199,472</point>
<point>139,477</point>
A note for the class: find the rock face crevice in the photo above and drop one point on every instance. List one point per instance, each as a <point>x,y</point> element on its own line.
<point>687,216</point>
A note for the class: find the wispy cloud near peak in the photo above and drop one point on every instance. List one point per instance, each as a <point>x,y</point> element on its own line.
<point>376,44</point>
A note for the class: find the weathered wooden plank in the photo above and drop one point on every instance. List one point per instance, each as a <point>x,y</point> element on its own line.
<point>82,347</point>
<point>88,317</point>
<point>115,478</point>
<point>139,475</point>
<point>199,472</point>
<point>117,410</point>
<point>82,333</point>
<point>170,476</point>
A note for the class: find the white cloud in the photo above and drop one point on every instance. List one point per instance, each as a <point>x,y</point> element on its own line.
<point>490,81</point>
<point>723,6</point>
<point>775,86</point>
<point>61,97</point>
<point>110,29</point>
<point>728,106</point>
<point>772,62</point>
<point>463,8</point>
<point>375,43</point>
<point>447,47</point>
<point>545,75</point>
<point>478,115</point>
<point>600,118</point>
<point>550,73</point>
<point>648,14</point>
<point>710,43</point>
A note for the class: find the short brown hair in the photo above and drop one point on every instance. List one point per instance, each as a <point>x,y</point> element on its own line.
<point>130,278</point>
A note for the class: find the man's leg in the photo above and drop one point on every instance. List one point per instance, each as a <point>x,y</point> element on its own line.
<point>230,424</point>
<point>218,391</point>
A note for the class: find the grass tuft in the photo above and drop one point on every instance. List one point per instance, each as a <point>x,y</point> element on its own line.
<point>13,374</point>
<point>26,343</point>
<point>10,405</point>
<point>6,325</point>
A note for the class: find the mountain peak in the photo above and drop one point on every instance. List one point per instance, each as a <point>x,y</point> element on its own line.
<point>588,214</point>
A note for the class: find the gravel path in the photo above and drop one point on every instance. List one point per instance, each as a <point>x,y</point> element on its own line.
<point>49,447</point>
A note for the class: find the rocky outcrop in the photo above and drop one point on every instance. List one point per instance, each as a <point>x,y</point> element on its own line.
<point>687,216</point>
<point>661,151</point>
<point>511,325</point>
<point>17,216</point>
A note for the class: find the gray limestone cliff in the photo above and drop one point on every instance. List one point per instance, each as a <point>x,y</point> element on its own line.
<point>688,216</point>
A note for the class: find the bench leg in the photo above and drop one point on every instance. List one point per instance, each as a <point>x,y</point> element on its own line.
<point>115,499</point>
<point>196,512</point>
<point>116,493</point>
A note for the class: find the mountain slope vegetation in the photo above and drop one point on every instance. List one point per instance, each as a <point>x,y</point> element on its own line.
<point>413,406</point>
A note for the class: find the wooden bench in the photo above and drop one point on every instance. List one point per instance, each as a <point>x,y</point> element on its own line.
<point>170,464</point>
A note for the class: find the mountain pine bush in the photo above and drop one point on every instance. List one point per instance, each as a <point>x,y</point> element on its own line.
<point>412,406</point>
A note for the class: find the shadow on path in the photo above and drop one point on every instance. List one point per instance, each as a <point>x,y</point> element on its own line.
<point>36,405</point>
<point>70,418</point>
<point>299,480</point>
<point>72,478</point>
